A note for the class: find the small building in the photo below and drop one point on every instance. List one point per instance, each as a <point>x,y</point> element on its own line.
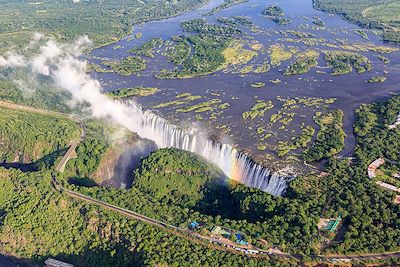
<point>388,186</point>
<point>240,239</point>
<point>56,263</point>
<point>218,230</point>
<point>196,225</point>
<point>374,166</point>
<point>329,224</point>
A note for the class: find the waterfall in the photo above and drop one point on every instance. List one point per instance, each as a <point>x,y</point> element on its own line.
<point>235,165</point>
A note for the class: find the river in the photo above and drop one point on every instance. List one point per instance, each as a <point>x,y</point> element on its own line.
<point>349,90</point>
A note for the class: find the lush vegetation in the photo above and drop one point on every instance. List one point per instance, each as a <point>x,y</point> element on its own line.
<point>203,27</point>
<point>127,66</point>
<point>377,79</point>
<point>28,137</point>
<point>176,177</point>
<point>131,92</point>
<point>274,10</point>
<point>306,136</point>
<point>179,51</point>
<point>90,151</point>
<point>227,4</point>
<point>207,57</point>
<point>276,14</point>
<point>147,48</point>
<point>342,62</point>
<point>375,14</point>
<point>235,20</point>
<point>178,187</point>
<point>37,222</point>
<point>66,20</point>
<point>330,137</point>
<point>303,63</point>
<point>40,95</point>
<point>258,109</point>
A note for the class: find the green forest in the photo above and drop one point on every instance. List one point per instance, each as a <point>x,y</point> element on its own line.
<point>27,137</point>
<point>103,22</point>
<point>179,187</point>
<point>372,14</point>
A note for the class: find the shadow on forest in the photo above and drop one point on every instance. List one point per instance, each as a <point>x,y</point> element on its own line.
<point>218,200</point>
<point>20,166</point>
<point>46,161</point>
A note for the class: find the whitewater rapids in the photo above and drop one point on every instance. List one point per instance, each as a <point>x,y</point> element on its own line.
<point>235,165</point>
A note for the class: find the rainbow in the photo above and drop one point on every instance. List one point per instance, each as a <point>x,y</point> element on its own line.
<point>236,165</point>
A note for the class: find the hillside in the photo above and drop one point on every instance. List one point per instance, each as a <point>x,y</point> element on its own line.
<point>27,137</point>
<point>177,176</point>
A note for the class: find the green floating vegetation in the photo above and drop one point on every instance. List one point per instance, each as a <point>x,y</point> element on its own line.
<point>258,109</point>
<point>275,81</point>
<point>306,136</point>
<point>138,35</point>
<point>274,10</point>
<point>236,54</point>
<point>257,84</point>
<point>200,107</point>
<point>362,33</point>
<point>261,147</point>
<point>377,79</point>
<point>236,20</point>
<point>384,59</point>
<point>318,21</point>
<point>281,21</point>
<point>279,53</point>
<point>182,98</point>
<point>303,63</point>
<point>129,92</point>
<point>342,62</point>
<point>148,48</point>
<point>97,68</point>
<point>226,4</point>
<point>203,27</point>
<point>330,137</point>
<point>276,13</point>
<point>301,34</point>
<point>206,58</point>
<point>127,66</point>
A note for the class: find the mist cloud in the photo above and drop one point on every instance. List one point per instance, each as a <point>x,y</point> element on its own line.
<point>12,60</point>
<point>62,64</point>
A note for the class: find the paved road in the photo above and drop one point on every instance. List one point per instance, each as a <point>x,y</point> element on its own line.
<point>191,235</point>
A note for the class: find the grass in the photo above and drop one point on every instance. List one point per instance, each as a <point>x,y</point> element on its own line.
<point>130,92</point>
<point>303,63</point>
<point>279,53</point>
<point>258,109</point>
<point>27,137</point>
<point>257,84</point>
<point>236,54</point>
<point>377,79</point>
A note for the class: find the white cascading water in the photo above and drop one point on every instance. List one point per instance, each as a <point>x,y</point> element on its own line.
<point>234,164</point>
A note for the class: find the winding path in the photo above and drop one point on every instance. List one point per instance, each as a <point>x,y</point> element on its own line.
<point>181,232</point>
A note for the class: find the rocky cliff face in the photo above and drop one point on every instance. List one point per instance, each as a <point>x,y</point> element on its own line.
<point>121,159</point>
